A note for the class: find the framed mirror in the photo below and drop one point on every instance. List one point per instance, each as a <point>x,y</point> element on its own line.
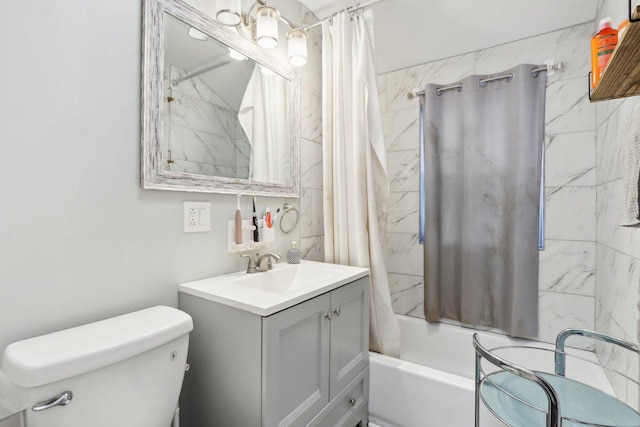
<point>219,113</point>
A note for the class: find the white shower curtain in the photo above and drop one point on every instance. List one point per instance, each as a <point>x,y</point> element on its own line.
<point>265,103</point>
<point>356,187</point>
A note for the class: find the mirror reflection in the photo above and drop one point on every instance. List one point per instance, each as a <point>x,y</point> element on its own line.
<point>224,114</point>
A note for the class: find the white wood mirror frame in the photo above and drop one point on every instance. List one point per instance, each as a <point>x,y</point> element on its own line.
<point>153,175</point>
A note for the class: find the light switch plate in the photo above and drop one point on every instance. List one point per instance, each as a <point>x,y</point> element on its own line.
<point>197,217</point>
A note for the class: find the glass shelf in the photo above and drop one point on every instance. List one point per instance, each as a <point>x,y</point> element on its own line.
<point>522,403</point>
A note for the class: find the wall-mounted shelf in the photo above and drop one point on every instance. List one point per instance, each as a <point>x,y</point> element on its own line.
<point>622,76</point>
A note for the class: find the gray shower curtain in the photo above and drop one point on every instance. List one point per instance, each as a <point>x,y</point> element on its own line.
<point>482,149</point>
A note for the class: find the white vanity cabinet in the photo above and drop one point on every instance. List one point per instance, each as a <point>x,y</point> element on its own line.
<point>306,365</point>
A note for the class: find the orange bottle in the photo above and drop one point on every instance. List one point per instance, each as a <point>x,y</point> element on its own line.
<point>621,29</point>
<point>602,46</point>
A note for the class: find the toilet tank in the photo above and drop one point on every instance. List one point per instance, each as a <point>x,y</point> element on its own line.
<point>125,371</point>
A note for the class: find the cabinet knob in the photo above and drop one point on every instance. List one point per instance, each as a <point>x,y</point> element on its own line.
<point>352,402</point>
<point>337,311</point>
<point>329,316</point>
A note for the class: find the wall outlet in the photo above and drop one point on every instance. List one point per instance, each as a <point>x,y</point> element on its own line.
<point>197,217</point>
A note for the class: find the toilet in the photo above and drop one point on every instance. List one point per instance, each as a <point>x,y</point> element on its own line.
<point>125,371</point>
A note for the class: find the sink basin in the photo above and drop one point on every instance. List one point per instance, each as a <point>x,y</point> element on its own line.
<point>268,292</point>
<point>287,278</point>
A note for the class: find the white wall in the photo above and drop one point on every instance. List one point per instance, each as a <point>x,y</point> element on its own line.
<point>567,265</point>
<point>80,240</point>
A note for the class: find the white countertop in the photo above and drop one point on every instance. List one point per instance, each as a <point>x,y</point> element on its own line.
<point>250,292</point>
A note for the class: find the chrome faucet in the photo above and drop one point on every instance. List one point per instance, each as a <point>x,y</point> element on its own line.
<point>255,266</point>
<point>268,256</point>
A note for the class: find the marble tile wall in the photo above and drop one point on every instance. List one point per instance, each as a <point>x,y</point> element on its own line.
<point>567,287</point>
<point>205,136</point>
<point>311,220</point>
<point>618,248</point>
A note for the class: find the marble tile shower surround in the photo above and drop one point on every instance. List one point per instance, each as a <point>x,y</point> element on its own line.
<point>311,221</point>
<point>567,265</point>
<point>570,213</point>
<point>618,248</point>
<point>563,167</point>
<point>205,135</point>
<point>617,279</point>
<point>589,270</point>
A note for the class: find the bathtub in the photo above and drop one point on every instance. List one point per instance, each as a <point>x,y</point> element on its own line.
<point>432,385</point>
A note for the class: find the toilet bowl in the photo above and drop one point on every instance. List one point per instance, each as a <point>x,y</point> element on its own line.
<point>125,371</point>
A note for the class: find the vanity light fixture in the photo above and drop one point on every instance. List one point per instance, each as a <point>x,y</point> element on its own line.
<point>229,12</point>
<point>260,25</point>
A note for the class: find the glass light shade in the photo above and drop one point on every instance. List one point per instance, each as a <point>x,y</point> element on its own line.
<point>297,47</point>
<point>234,54</point>
<point>267,27</point>
<point>228,12</point>
<point>197,34</point>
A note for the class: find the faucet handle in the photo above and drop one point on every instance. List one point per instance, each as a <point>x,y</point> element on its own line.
<point>251,266</point>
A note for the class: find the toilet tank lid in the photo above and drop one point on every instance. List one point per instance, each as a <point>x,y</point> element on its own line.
<point>64,354</point>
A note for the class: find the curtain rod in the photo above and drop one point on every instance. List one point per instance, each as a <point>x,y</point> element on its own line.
<point>176,82</point>
<point>348,9</point>
<point>549,67</point>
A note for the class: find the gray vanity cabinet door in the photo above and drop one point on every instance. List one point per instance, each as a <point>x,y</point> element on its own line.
<point>349,334</point>
<point>296,363</point>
